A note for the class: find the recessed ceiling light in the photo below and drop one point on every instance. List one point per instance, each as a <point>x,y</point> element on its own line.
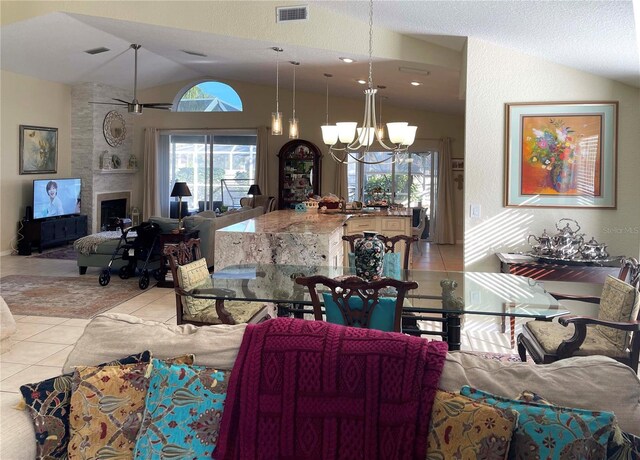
<point>347,60</point>
<point>362,82</point>
<point>416,83</point>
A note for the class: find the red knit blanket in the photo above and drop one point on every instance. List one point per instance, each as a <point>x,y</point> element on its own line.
<point>313,390</point>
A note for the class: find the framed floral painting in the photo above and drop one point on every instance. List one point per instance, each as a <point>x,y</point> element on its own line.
<point>561,154</point>
<point>38,150</point>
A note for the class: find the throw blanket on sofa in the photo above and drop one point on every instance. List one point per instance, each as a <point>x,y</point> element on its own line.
<point>89,244</point>
<point>314,390</point>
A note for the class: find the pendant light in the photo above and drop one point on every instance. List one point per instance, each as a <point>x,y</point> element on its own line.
<point>293,122</point>
<point>329,132</point>
<point>276,117</point>
<point>356,142</point>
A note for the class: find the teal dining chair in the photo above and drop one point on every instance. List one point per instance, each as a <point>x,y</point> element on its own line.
<point>353,301</point>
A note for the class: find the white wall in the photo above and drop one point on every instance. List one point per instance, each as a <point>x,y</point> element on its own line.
<point>28,101</point>
<point>497,75</point>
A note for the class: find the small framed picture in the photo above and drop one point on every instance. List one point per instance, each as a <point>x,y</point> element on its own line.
<point>457,164</point>
<point>38,150</point>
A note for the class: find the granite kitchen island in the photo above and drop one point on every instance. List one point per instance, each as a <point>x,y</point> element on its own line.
<point>296,238</point>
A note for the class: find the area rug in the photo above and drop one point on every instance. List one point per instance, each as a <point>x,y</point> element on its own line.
<point>65,253</point>
<point>67,297</point>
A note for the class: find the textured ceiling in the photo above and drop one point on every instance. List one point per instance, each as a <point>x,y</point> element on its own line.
<point>593,36</point>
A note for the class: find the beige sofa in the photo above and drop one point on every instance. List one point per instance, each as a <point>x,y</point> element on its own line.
<point>596,383</point>
<point>205,222</point>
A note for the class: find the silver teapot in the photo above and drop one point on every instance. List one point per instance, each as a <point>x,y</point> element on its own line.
<point>567,242</point>
<point>545,243</point>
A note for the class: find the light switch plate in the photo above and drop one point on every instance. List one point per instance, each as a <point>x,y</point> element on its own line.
<point>475,211</point>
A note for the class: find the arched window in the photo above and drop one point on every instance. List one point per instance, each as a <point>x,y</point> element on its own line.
<point>209,96</point>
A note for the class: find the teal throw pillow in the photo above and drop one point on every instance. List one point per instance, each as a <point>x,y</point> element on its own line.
<point>382,317</point>
<point>183,411</point>
<point>552,432</point>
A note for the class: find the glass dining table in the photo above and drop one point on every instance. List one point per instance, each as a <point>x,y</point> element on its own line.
<point>441,296</point>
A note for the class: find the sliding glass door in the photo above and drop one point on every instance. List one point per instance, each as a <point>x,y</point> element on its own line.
<point>411,181</point>
<point>218,167</point>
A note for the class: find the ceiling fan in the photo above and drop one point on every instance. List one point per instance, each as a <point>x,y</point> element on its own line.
<point>134,106</point>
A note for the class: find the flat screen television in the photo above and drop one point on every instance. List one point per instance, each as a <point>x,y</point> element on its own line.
<point>56,197</point>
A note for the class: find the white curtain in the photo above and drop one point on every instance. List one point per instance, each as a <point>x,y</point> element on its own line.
<point>444,232</point>
<point>262,161</point>
<point>150,195</point>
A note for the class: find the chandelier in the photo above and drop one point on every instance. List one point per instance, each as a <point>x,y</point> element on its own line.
<point>346,140</point>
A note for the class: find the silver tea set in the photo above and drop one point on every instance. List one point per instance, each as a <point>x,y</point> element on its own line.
<point>567,244</point>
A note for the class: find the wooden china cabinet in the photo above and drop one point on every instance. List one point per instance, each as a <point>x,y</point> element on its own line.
<point>299,172</point>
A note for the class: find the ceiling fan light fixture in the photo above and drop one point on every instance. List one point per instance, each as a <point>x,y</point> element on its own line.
<point>134,106</point>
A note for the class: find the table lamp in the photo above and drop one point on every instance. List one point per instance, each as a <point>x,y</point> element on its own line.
<point>180,189</point>
<point>254,190</point>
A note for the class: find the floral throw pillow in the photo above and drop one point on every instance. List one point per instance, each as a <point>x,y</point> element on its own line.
<point>49,403</point>
<point>621,446</point>
<point>552,432</point>
<point>462,428</point>
<point>106,409</point>
<point>183,410</point>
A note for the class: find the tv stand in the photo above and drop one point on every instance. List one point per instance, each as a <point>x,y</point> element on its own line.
<point>53,232</point>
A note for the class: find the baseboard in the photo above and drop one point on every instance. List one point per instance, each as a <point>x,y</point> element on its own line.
<point>8,252</point>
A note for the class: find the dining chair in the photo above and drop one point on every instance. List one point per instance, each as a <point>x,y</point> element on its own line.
<point>390,243</point>
<point>188,268</point>
<point>417,231</point>
<point>353,301</point>
<point>615,332</point>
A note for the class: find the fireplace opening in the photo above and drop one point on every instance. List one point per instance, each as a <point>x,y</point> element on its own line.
<point>110,209</point>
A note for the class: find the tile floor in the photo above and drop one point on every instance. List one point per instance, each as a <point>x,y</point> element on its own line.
<point>42,344</point>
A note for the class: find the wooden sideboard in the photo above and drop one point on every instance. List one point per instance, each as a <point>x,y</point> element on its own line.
<point>520,264</point>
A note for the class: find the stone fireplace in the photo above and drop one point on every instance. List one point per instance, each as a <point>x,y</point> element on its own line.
<point>115,204</point>
<point>89,146</point>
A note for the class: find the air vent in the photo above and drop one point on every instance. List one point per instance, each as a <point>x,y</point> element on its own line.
<point>194,53</point>
<point>292,13</point>
<point>102,49</point>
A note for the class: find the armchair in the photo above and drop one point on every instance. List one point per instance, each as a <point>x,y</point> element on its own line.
<point>186,270</point>
<point>355,302</point>
<point>614,333</point>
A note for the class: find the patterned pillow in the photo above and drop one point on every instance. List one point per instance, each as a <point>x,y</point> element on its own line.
<point>189,276</point>
<point>552,432</point>
<point>621,446</point>
<point>464,428</point>
<point>49,403</point>
<point>626,448</point>
<point>183,410</point>
<point>106,409</point>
